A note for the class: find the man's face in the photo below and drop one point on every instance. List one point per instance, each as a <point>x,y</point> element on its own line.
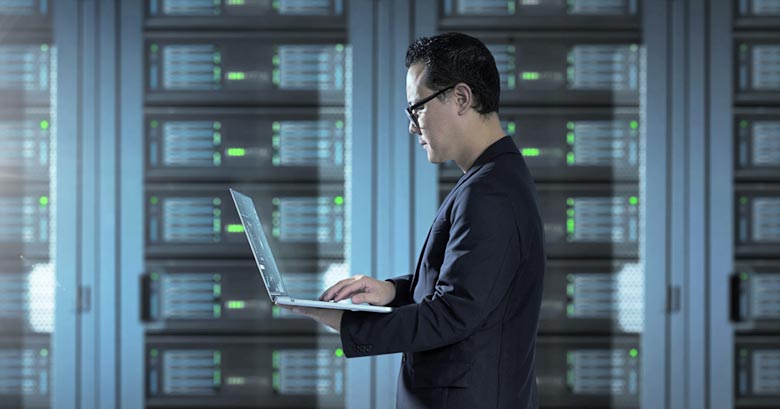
<point>433,117</point>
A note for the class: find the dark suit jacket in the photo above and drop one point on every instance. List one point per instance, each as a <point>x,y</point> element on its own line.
<point>466,320</point>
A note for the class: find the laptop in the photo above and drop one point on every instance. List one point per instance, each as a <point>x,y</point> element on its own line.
<point>272,277</point>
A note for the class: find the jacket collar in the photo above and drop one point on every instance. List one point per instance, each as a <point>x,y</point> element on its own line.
<point>499,147</point>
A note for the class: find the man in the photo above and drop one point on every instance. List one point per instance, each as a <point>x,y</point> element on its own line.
<point>466,320</point>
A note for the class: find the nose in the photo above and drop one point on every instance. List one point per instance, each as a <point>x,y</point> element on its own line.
<point>414,130</point>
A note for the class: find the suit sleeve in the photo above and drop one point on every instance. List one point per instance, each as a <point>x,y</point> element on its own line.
<point>482,257</point>
<point>402,290</point>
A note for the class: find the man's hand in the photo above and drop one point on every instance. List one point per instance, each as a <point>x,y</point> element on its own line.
<point>331,318</point>
<point>361,289</point>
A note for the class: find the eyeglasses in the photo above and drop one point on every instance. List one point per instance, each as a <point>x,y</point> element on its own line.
<point>410,110</point>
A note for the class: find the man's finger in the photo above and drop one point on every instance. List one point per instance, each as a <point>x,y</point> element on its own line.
<point>352,288</point>
<point>328,294</point>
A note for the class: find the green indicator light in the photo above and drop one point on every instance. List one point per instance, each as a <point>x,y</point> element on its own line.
<point>277,78</point>
<point>217,158</point>
<point>154,276</point>
<point>530,152</point>
<point>570,212</point>
<point>43,200</point>
<point>217,138</point>
<point>153,123</point>
<point>339,352</point>
<point>217,225</point>
<point>570,202</point>
<point>275,60</point>
<point>276,382</point>
<point>570,158</point>
<point>44,124</point>
<point>511,128</point>
<point>236,76</point>
<point>236,380</point>
<point>236,305</point>
<point>153,353</point>
<point>276,359</point>
<point>276,232</point>
<point>570,310</point>
<point>217,290</point>
<point>634,124</point>
<point>276,311</point>
<point>633,352</point>
<point>339,124</point>
<point>44,352</point>
<point>235,228</point>
<point>634,47</point>
<point>276,5</point>
<point>236,152</point>
<point>338,200</point>
<point>569,358</point>
<point>217,126</point>
<point>154,200</point>
<point>570,290</point>
<point>570,125</point>
<point>743,276</point>
<point>217,278</point>
<point>217,201</point>
<point>276,160</point>
<point>633,200</point>
<point>236,2</point>
<point>339,47</point>
<point>276,201</point>
<point>276,126</point>
<point>217,310</point>
<point>276,141</point>
<point>217,377</point>
<point>217,73</point>
<point>530,76</point>
<point>743,124</point>
<point>44,47</point>
<point>154,48</point>
<point>217,357</point>
<point>743,200</point>
<point>510,7</point>
<point>570,226</point>
<point>217,59</point>
<point>511,82</point>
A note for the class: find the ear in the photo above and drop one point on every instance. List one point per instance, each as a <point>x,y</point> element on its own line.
<point>463,97</point>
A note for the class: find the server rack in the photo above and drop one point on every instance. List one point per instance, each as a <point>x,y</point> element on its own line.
<point>755,142</point>
<point>251,95</point>
<point>571,76</point>
<point>27,197</point>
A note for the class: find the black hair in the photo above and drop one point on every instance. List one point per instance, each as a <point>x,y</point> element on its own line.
<point>451,58</point>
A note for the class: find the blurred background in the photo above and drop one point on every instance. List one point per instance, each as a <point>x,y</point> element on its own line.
<point>652,128</point>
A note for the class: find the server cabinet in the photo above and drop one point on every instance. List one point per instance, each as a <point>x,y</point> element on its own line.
<point>245,373</point>
<point>28,170</point>
<point>588,372</point>
<point>251,96</point>
<point>207,297</point>
<point>755,202</point>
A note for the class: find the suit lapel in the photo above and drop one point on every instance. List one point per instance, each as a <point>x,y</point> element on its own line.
<point>444,205</point>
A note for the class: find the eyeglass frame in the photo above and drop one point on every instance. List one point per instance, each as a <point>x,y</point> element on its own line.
<point>411,108</point>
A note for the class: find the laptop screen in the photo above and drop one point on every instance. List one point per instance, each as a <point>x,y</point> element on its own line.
<point>257,240</point>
